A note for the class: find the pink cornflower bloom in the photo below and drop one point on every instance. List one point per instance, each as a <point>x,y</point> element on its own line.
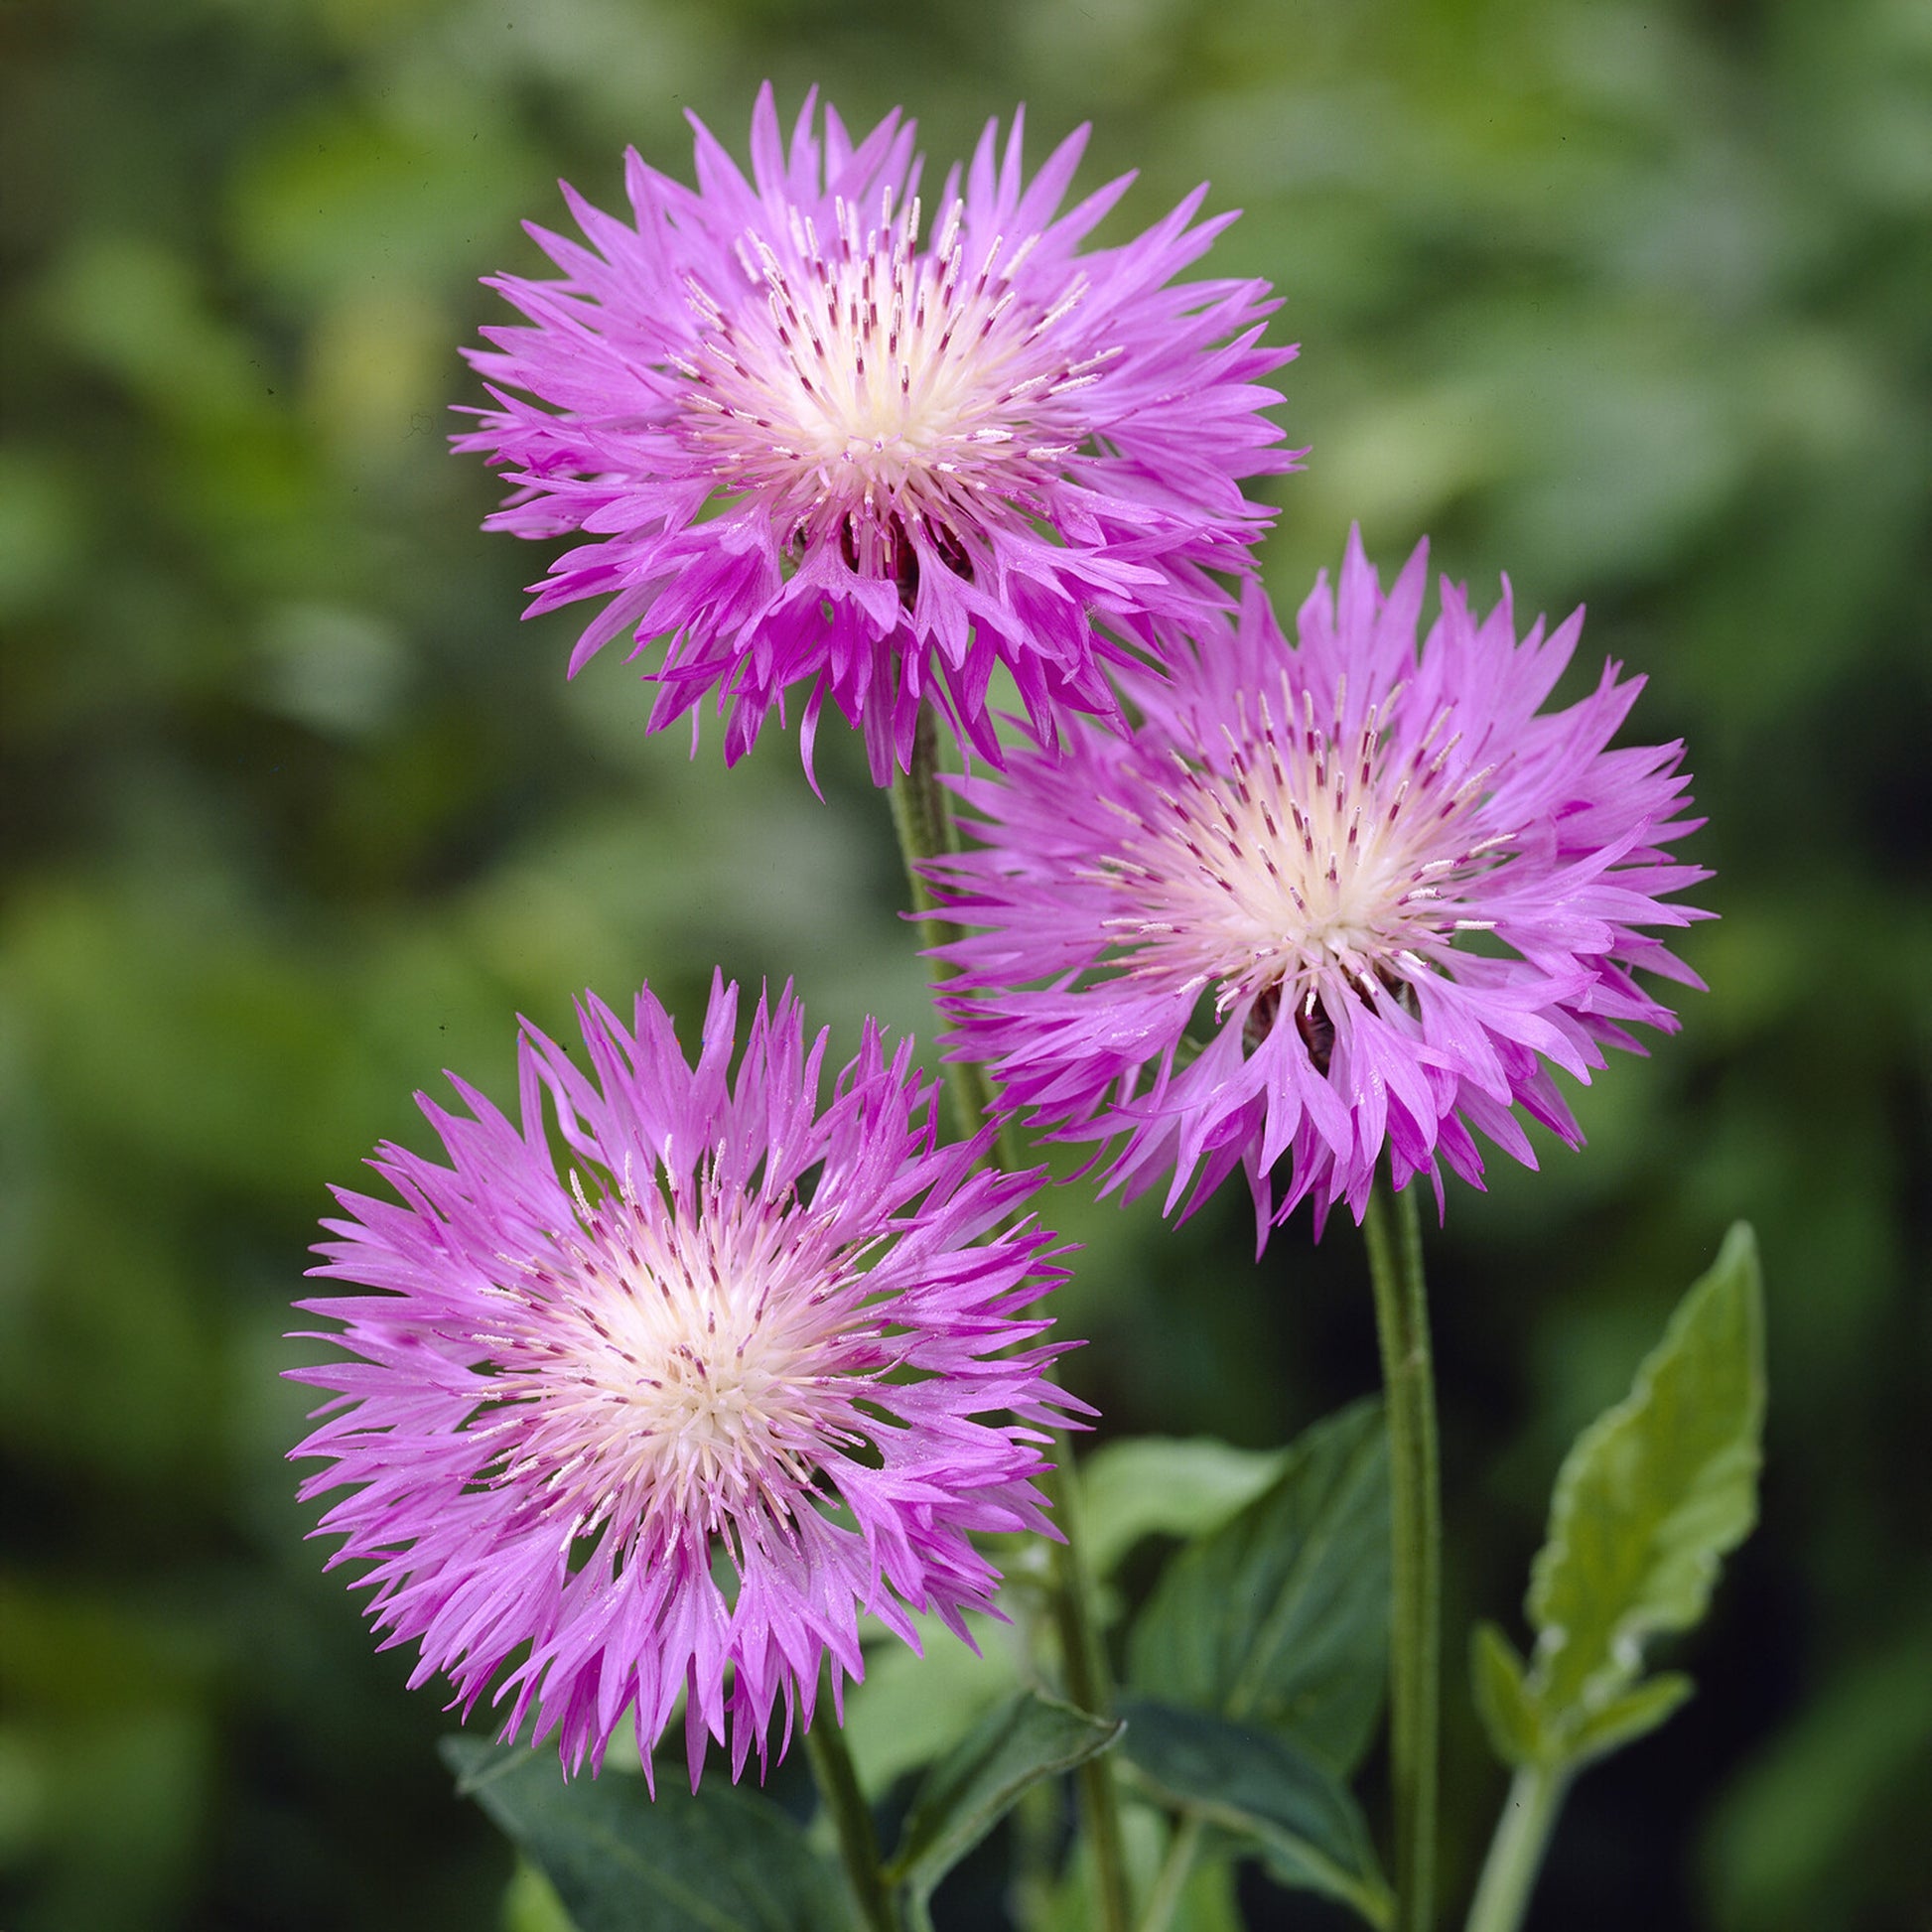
<point>817,440</point>
<point>1329,899</point>
<point>665,1422</point>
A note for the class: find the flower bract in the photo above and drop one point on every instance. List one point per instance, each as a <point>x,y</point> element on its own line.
<point>650,1391</point>
<point>819,434</point>
<point>1332,901</point>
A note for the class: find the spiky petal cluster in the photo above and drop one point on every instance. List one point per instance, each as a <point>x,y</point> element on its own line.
<point>819,440</point>
<point>668,1420</point>
<point>1329,899</point>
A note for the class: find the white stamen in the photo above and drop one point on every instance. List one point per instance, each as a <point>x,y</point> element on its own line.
<point>1312,865</point>
<point>676,1365</point>
<point>860,394</point>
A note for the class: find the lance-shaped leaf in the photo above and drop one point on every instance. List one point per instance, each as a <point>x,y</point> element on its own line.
<point>1522,1732</point>
<point>974,1785</point>
<point>1653,1495</point>
<point>1279,1617</point>
<point>1144,1485</point>
<point>1627,1717</point>
<point>1509,1712</point>
<point>723,1860</point>
<point>1273,1797</point>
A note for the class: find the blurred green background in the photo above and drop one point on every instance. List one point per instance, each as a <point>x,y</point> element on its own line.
<point>1628,299</point>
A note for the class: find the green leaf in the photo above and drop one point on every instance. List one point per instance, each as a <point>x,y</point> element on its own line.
<point>531,1904</point>
<point>1278,1800</point>
<point>1144,1485</point>
<point>1509,1712</point>
<point>723,1860</point>
<point>1626,1719</point>
<point>913,1705</point>
<point>1208,1901</point>
<point>1071,1901</point>
<point>1279,1617</point>
<point>974,1785</point>
<point>1653,1495</point>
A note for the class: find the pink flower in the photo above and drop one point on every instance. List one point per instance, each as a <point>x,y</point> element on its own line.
<point>816,441</point>
<point>1330,899</point>
<point>677,1415</point>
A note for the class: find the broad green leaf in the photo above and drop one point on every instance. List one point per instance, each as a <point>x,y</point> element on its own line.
<point>1279,1617</point>
<point>1278,1800</point>
<point>723,1860</point>
<point>1626,1719</point>
<point>1503,1702</point>
<point>1144,1485</point>
<point>968,1792</point>
<point>1653,1495</point>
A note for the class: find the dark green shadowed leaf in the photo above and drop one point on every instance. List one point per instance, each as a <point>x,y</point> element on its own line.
<point>1653,1495</point>
<point>1279,1617</point>
<point>974,1786</point>
<point>1273,1798</point>
<point>723,1861</point>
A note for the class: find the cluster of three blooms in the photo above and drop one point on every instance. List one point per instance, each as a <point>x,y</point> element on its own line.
<point>663,1423</point>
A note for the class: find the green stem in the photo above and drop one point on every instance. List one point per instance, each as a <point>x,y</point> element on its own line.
<point>923,816</point>
<point>838,1791</point>
<point>1529,1815</point>
<point>1175,1869</point>
<point>1089,1684</point>
<point>1394,1235</point>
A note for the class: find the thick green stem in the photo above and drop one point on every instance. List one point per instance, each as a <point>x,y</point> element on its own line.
<point>1394,1235</point>
<point>838,1791</point>
<point>1535,1795</point>
<point>923,816</point>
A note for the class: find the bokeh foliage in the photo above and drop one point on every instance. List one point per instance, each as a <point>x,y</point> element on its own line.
<point>1628,299</point>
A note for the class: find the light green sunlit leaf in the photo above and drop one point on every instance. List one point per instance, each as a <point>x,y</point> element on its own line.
<point>1503,1702</point>
<point>910,1706</point>
<point>1632,1716</point>
<point>1653,1495</point>
<point>1146,1485</point>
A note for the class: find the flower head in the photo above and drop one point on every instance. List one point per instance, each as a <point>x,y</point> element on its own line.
<point>1375,892</point>
<point>817,439</point>
<point>665,1423</point>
